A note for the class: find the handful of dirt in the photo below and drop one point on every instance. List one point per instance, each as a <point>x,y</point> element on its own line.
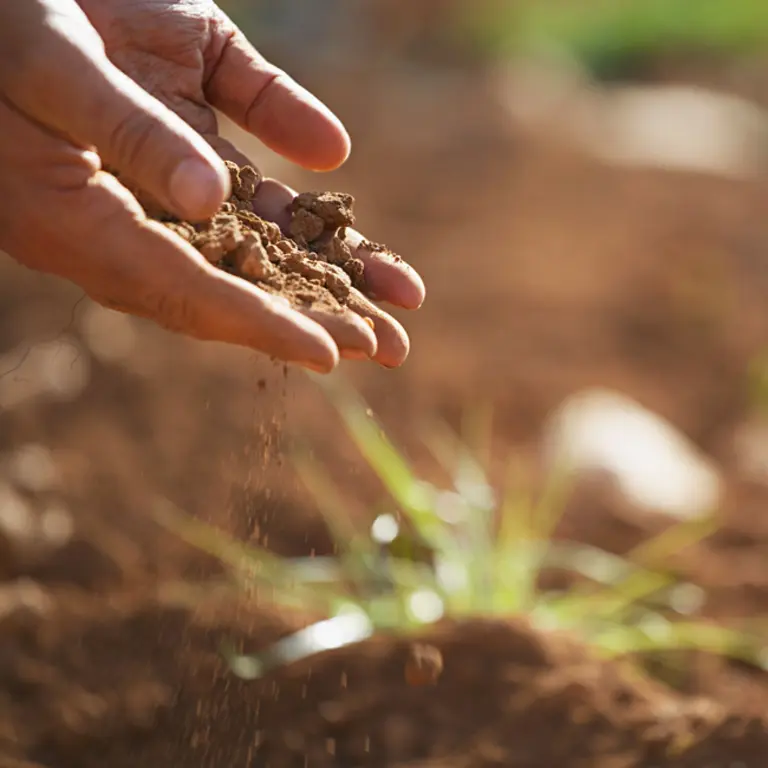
<point>312,266</point>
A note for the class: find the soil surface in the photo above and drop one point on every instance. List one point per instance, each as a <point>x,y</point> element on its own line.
<point>650,282</point>
<point>136,681</point>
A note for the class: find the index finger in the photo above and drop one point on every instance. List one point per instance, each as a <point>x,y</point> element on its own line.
<point>272,106</point>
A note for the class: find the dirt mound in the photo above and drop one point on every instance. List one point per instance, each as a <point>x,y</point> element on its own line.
<point>507,695</point>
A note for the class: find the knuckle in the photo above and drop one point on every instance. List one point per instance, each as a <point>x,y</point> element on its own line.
<point>69,172</point>
<point>131,138</point>
<point>89,212</point>
<point>173,311</point>
<point>257,108</point>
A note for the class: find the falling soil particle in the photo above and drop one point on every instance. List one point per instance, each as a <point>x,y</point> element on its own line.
<point>424,665</point>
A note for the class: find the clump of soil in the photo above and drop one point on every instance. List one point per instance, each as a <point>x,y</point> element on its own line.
<point>311,265</point>
<point>424,665</point>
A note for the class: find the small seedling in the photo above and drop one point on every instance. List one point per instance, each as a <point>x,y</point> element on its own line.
<point>486,552</point>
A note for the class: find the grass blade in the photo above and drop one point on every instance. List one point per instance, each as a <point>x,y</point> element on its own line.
<point>414,497</point>
<point>254,564</point>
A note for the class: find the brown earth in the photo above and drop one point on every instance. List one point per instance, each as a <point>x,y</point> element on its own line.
<point>650,282</point>
<point>135,681</point>
<point>311,265</point>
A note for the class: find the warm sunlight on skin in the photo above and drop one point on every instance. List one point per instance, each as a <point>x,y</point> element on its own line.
<point>145,109</point>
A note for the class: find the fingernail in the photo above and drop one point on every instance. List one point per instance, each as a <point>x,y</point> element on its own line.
<point>197,189</point>
<point>93,160</point>
<point>354,354</point>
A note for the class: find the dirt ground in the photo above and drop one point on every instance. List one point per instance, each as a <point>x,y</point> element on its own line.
<point>546,273</point>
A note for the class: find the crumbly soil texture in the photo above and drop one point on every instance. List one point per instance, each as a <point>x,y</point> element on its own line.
<point>139,680</point>
<point>310,265</point>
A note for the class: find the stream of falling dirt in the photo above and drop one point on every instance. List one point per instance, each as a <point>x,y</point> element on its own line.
<point>263,453</point>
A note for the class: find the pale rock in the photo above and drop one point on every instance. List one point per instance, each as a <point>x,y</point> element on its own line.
<point>666,127</point>
<point>32,467</point>
<point>110,335</point>
<point>655,467</point>
<point>680,128</point>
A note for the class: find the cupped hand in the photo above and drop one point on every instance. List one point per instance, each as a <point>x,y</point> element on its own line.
<point>131,85</point>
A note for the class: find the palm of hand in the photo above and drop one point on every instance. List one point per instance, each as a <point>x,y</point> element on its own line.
<point>169,47</point>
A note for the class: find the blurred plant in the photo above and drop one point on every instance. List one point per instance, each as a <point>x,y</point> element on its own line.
<point>486,553</point>
<point>757,383</point>
<point>606,37</point>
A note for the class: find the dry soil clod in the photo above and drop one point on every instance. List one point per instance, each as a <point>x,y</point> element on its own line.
<point>312,266</point>
<point>424,665</point>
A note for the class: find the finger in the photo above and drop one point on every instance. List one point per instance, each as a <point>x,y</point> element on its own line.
<point>66,82</point>
<point>353,336</point>
<point>388,278</point>
<point>272,197</point>
<point>390,341</point>
<point>266,102</point>
<point>128,263</point>
<point>271,202</point>
<point>227,151</point>
<point>393,342</point>
<point>180,290</point>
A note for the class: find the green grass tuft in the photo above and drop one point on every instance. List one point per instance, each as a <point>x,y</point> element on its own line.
<point>487,550</point>
<point>607,35</point>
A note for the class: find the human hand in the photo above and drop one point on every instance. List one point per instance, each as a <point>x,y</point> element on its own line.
<point>132,84</point>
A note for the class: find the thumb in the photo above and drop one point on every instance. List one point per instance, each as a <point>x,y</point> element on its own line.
<point>153,148</point>
<point>67,83</point>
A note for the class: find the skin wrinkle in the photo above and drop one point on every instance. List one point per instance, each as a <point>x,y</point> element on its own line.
<point>72,173</point>
<point>175,309</point>
<point>181,50</point>
<point>185,100</point>
<point>261,97</point>
<point>150,23</point>
<point>234,42</point>
<point>221,36</point>
<point>133,132</point>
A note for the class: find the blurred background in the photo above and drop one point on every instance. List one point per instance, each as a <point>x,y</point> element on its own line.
<point>582,184</point>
